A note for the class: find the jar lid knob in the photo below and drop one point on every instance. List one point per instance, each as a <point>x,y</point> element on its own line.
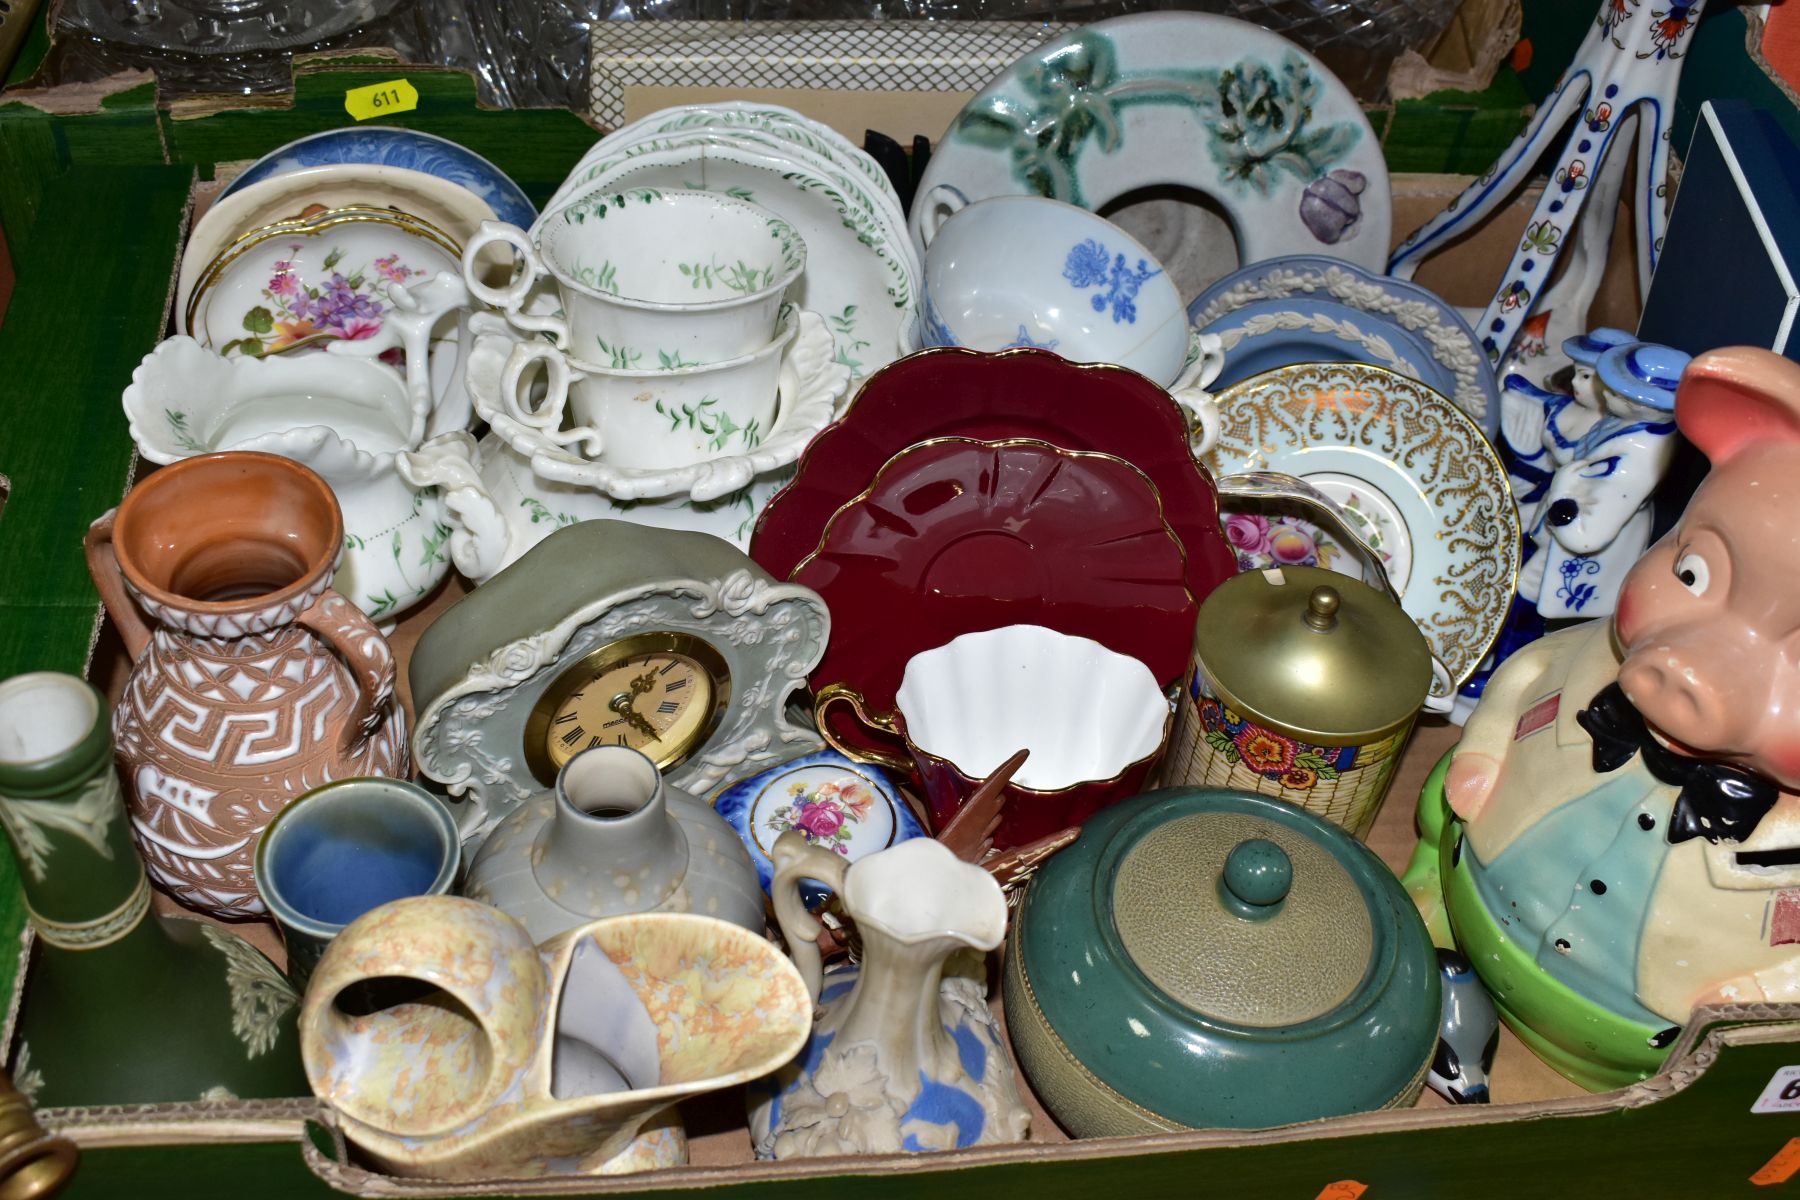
<point>1321,608</point>
<point>1257,876</point>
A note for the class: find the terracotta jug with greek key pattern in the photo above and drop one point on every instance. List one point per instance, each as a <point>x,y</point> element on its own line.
<point>256,683</point>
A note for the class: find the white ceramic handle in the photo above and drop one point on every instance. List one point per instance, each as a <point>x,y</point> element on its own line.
<point>511,297</point>
<point>448,462</point>
<point>795,859</point>
<point>1203,419</point>
<point>1205,359</point>
<point>939,205</point>
<point>1441,696</point>
<point>413,313</point>
<point>547,418</point>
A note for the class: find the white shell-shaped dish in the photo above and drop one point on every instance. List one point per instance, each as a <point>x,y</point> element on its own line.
<point>1082,710</point>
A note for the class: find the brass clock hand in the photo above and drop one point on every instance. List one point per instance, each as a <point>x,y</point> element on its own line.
<point>623,705</point>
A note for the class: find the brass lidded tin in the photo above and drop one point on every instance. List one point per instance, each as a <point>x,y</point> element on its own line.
<point>1306,685</point>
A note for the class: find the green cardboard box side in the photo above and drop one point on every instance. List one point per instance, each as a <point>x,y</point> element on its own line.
<point>93,207</point>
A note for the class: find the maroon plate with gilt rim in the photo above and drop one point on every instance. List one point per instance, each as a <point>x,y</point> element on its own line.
<point>956,536</point>
<point>950,392</point>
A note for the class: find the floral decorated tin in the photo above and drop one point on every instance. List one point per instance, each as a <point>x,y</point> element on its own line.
<point>852,809</point>
<point>1305,687</point>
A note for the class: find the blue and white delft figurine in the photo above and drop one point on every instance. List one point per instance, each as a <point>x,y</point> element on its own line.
<point>1584,465</point>
<point>905,1053</point>
<point>1603,450</point>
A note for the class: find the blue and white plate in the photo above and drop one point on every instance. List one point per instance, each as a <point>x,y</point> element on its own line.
<point>1445,348</point>
<point>389,146</point>
<point>848,807</point>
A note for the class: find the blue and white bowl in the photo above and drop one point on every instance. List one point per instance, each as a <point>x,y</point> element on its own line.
<point>389,146</point>
<point>1026,271</point>
<point>848,807</point>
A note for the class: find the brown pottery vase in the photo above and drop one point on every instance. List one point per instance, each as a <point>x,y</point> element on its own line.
<point>256,682</point>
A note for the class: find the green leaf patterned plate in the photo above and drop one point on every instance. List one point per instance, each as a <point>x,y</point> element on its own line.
<point>1177,98</point>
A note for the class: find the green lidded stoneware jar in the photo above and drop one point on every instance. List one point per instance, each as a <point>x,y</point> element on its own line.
<point>1205,957</point>
<point>1306,686</point>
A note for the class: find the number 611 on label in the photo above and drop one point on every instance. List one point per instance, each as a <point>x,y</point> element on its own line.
<point>381,99</point>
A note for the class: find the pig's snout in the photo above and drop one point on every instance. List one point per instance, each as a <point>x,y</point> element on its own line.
<point>1695,698</point>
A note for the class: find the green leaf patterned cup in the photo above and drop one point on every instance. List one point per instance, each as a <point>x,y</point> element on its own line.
<point>650,279</point>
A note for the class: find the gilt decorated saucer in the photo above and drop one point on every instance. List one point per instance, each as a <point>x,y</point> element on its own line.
<point>1418,473</point>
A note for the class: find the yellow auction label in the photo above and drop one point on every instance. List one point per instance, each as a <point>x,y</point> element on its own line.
<point>381,99</point>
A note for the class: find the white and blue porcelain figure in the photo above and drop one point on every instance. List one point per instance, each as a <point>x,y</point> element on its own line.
<point>905,1053</point>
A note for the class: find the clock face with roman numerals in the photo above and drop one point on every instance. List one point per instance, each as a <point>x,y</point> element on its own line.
<point>658,693</point>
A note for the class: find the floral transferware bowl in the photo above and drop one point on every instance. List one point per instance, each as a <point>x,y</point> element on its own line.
<point>1014,271</point>
<point>397,190</point>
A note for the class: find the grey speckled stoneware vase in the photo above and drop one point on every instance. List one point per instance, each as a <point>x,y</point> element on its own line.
<point>612,838</point>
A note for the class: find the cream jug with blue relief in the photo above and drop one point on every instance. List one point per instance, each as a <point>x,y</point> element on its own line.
<point>905,1053</point>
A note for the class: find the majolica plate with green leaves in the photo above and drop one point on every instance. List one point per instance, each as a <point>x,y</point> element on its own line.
<point>1413,473</point>
<point>1177,99</point>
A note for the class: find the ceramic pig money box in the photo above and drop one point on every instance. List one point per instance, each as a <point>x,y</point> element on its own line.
<point>1628,791</point>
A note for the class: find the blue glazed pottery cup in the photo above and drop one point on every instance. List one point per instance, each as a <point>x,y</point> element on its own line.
<point>347,847</point>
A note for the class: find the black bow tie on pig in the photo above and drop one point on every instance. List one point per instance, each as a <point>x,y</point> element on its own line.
<point>1717,800</point>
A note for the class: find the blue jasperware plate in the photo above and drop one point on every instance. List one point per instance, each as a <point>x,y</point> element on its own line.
<point>849,807</point>
<point>1444,349</point>
<point>389,146</point>
<point>1279,333</point>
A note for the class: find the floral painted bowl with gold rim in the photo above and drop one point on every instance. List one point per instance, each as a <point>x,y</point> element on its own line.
<point>314,280</point>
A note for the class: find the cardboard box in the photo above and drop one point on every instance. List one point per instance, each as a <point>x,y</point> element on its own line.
<point>94,208</point>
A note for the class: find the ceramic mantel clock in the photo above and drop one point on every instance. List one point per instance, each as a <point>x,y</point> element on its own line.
<point>610,633</point>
